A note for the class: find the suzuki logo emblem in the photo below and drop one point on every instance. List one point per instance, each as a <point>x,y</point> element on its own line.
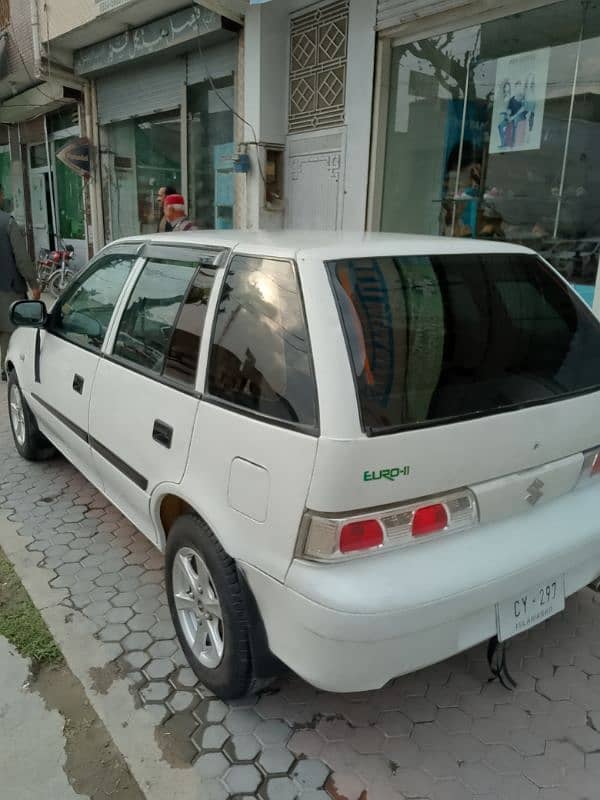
<point>535,492</point>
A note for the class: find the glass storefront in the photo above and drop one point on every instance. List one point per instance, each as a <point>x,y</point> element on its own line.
<point>146,153</point>
<point>492,132</point>
<point>69,189</point>
<point>6,179</point>
<point>210,154</point>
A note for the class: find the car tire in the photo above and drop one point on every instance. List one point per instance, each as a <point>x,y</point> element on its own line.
<point>29,441</point>
<point>217,646</point>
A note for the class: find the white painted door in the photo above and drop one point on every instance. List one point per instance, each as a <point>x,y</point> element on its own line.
<point>314,186</point>
<point>147,381</point>
<point>39,211</point>
<point>69,358</point>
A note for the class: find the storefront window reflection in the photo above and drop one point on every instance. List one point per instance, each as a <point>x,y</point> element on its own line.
<point>146,154</point>
<point>211,152</point>
<point>491,133</point>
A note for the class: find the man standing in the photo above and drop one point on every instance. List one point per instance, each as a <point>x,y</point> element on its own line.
<point>164,191</point>
<point>16,273</point>
<point>175,214</point>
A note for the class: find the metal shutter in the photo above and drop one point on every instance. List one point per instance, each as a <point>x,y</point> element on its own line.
<point>140,90</point>
<point>392,13</point>
<point>220,61</point>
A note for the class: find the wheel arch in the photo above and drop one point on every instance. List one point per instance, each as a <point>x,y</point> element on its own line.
<point>168,504</point>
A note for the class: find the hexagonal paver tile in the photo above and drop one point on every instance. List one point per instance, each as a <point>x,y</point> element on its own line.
<point>186,678</point>
<point>213,737</point>
<point>367,740</point>
<point>242,747</point>
<point>119,615</point>
<point>212,765</point>
<point>113,633</point>
<point>147,605</point>
<point>137,641</point>
<point>163,649</point>
<point>307,743</point>
<point>125,600</point>
<point>504,759</point>
<point>394,723</point>
<point>136,659</point>
<point>282,789</point>
<point>276,760</point>
<point>182,701</point>
<point>163,630</point>
<point>141,622</point>
<point>242,720</point>
<point>272,732</point>
<point>155,692</point>
<point>310,773</point>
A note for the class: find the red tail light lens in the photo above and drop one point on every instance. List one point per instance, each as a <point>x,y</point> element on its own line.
<point>429,519</point>
<point>327,538</point>
<point>360,535</point>
<point>596,465</point>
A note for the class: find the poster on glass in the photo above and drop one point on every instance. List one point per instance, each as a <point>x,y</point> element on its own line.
<point>519,99</point>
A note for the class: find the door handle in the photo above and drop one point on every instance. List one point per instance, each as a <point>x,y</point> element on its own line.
<point>78,384</point>
<point>162,433</point>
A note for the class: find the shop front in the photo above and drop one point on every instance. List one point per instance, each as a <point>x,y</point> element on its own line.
<point>490,129</point>
<point>166,120</point>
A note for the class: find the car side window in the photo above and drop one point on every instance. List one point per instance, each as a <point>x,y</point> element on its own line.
<point>83,313</point>
<point>260,354</point>
<point>149,334</point>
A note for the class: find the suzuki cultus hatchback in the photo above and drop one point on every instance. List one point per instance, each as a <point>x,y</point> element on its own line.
<point>360,453</point>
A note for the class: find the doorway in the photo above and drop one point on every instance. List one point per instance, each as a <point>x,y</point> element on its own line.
<point>41,208</point>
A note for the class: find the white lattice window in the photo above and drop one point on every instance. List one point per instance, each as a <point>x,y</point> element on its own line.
<point>318,52</point>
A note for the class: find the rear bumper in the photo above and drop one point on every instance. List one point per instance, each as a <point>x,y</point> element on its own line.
<point>356,625</point>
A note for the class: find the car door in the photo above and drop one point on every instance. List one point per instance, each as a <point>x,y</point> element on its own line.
<point>144,402</point>
<point>69,354</point>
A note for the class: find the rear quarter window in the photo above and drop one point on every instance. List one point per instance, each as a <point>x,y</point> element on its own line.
<point>435,338</point>
<point>260,354</point>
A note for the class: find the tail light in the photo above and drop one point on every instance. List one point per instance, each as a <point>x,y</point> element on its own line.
<point>591,465</point>
<point>330,538</point>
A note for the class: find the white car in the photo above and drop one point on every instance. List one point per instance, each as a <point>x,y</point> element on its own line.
<point>361,453</point>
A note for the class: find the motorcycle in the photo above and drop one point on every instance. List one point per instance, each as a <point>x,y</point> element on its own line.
<point>54,273</point>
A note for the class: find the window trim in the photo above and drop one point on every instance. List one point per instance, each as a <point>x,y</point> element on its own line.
<point>105,252</point>
<point>126,295</point>
<point>311,430</point>
<point>146,373</point>
<point>401,428</point>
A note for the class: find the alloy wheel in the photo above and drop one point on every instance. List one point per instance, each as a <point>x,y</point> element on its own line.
<point>198,607</point>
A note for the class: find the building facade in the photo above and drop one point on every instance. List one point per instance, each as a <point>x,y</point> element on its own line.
<point>447,117</point>
<point>486,123</point>
<point>41,111</point>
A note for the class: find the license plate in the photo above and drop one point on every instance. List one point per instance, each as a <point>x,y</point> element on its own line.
<point>530,607</point>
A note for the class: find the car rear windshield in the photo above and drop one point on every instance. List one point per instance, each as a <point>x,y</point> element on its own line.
<point>444,337</point>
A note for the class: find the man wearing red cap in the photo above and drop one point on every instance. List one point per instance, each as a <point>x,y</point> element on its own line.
<point>175,213</point>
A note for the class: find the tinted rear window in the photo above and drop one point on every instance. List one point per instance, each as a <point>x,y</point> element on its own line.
<point>435,338</point>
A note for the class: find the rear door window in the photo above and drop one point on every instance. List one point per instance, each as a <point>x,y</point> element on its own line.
<point>161,327</point>
<point>437,338</point>
<point>260,355</point>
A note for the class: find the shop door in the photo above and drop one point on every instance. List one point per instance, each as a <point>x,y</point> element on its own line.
<point>40,219</point>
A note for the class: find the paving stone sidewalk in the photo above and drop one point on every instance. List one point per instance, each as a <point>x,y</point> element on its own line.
<point>444,733</point>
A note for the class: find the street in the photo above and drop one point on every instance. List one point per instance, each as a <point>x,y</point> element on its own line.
<point>444,733</point>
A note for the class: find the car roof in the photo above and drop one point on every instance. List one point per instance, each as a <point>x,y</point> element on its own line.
<point>324,245</point>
